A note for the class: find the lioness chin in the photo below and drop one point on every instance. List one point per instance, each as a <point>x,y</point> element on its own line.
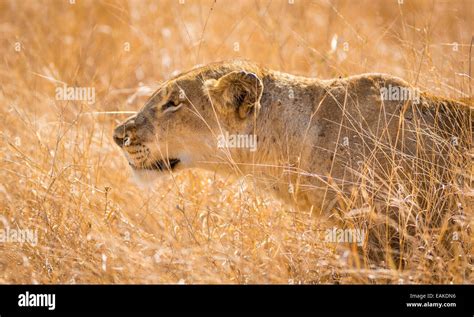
<point>318,144</point>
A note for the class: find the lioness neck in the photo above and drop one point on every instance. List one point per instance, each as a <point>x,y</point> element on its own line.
<point>286,129</point>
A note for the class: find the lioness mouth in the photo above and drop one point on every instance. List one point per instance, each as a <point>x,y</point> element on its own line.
<point>160,165</point>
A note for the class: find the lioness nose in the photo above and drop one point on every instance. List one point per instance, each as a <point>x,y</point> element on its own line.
<point>123,133</point>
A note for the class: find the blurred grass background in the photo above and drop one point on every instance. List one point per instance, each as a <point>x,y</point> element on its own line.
<point>61,173</point>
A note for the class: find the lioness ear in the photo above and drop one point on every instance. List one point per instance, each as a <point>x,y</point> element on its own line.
<point>237,91</point>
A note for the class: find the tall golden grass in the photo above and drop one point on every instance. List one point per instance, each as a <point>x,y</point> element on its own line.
<point>61,173</point>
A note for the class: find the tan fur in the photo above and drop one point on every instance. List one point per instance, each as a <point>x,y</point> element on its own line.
<point>316,138</point>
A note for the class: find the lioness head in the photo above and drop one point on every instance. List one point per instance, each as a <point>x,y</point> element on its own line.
<point>178,126</point>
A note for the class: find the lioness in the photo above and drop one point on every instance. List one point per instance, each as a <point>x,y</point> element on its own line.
<point>310,140</point>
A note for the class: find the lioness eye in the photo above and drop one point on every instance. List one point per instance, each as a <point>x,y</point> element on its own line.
<point>169,104</point>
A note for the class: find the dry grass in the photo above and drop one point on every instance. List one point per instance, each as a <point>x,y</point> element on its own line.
<point>61,173</point>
